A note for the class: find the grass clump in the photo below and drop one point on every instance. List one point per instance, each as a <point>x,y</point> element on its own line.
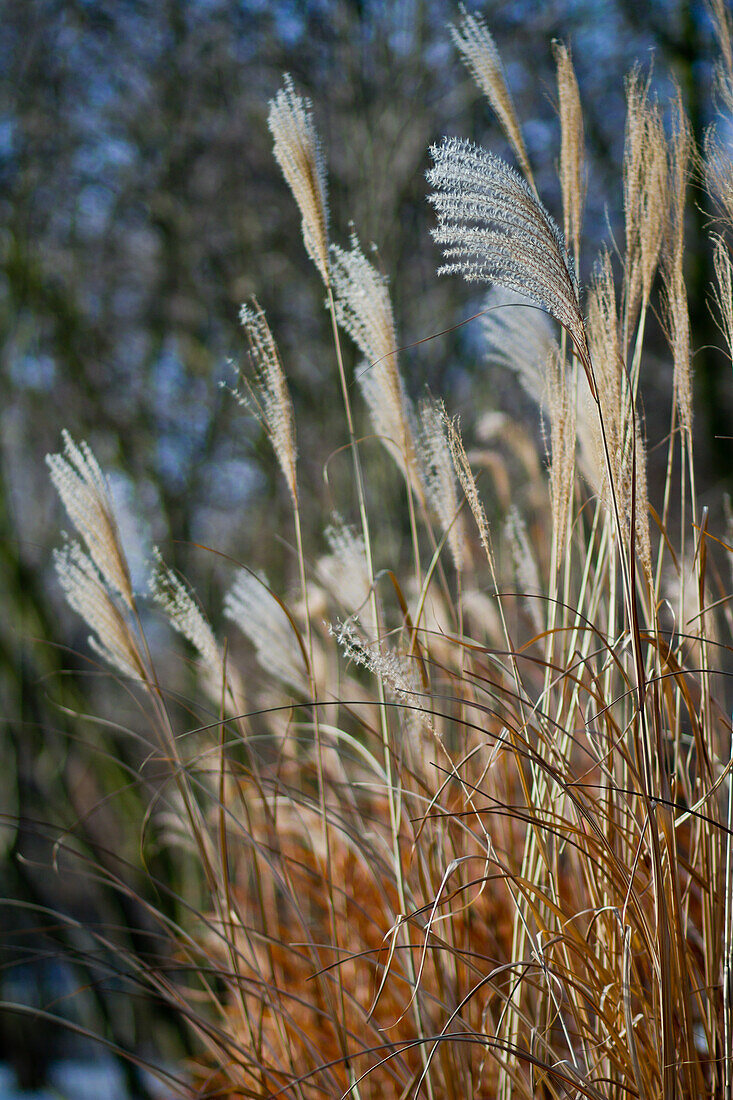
<point>460,825</point>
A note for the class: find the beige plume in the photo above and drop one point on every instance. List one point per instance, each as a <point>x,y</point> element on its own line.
<point>267,396</point>
<point>298,152</point>
<point>519,336</point>
<point>364,310</point>
<point>562,407</point>
<point>723,292</point>
<point>87,593</point>
<point>478,50</point>
<point>344,572</point>
<point>186,617</point>
<point>719,176</point>
<point>572,145</point>
<point>250,604</point>
<point>439,479</point>
<point>85,493</point>
<point>676,311</point>
<point>468,483</point>
<point>723,29</point>
<point>645,191</point>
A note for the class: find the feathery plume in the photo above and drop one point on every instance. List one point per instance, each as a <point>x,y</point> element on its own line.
<point>719,176</point>
<point>605,343</point>
<point>364,310</point>
<point>87,593</point>
<point>518,336</point>
<point>653,200</point>
<point>641,502</point>
<point>185,616</point>
<point>439,477</point>
<point>723,30</point>
<point>250,604</point>
<point>298,152</point>
<point>344,572</point>
<point>86,495</point>
<point>468,484</point>
<point>479,54</point>
<point>636,98</point>
<point>396,669</point>
<point>625,442</point>
<point>391,414</point>
<point>723,292</point>
<point>645,190</point>
<point>267,397</point>
<point>363,305</point>
<point>571,146</point>
<point>494,229</point>
<point>676,312</point>
<point>680,152</point>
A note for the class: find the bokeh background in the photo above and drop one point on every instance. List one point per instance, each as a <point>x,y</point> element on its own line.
<point>139,205</point>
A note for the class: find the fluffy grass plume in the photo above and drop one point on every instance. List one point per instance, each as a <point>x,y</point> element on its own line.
<point>297,151</point>
<point>494,229</point>
<point>478,51</point>
<point>85,493</point>
<point>267,395</point>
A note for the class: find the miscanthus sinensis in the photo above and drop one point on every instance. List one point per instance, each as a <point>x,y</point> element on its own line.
<point>439,477</point>
<point>464,473</point>
<point>88,594</point>
<point>723,292</point>
<point>96,580</point>
<point>186,617</point>
<point>493,228</point>
<point>674,302</point>
<point>525,565</point>
<point>722,21</point>
<point>364,310</point>
<point>267,396</point>
<point>344,573</point>
<point>719,177</point>
<point>718,162</point>
<point>298,152</point>
<point>251,606</point>
<point>519,336</point>
<point>85,493</point>
<point>479,54</point>
<point>398,670</point>
<point>645,192</point>
<point>572,145</point>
